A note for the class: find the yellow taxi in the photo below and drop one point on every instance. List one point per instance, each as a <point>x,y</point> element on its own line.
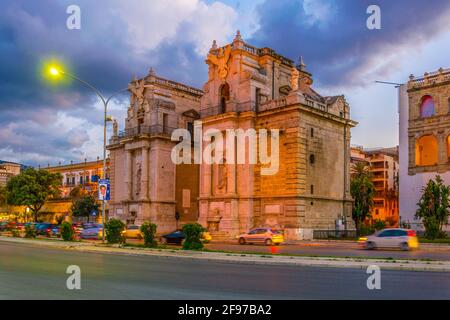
<point>265,236</point>
<point>206,237</point>
<point>132,232</point>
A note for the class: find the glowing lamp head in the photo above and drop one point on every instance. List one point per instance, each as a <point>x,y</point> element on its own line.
<point>54,71</point>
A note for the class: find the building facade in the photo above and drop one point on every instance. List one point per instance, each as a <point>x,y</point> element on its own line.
<point>424,107</point>
<point>8,170</point>
<point>383,166</point>
<point>252,88</point>
<point>249,91</point>
<point>146,185</point>
<point>82,175</point>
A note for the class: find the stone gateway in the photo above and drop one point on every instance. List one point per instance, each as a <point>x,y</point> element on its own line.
<point>248,88</point>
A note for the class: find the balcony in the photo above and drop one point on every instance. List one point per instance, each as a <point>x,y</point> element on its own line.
<point>146,131</point>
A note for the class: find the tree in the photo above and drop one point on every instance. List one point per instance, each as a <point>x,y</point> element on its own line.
<point>2,196</point>
<point>362,191</point>
<point>83,207</point>
<point>32,188</point>
<point>434,207</point>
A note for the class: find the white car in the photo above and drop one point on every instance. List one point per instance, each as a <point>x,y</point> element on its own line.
<point>404,239</point>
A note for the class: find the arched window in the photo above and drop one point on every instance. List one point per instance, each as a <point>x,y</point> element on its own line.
<point>427,106</point>
<point>426,151</point>
<point>224,96</point>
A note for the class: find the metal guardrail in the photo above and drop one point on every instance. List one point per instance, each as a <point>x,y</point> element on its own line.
<point>334,234</point>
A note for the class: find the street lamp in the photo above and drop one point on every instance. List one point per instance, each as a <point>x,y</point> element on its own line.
<point>56,71</point>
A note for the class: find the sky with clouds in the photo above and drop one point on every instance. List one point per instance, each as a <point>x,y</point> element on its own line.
<point>42,123</point>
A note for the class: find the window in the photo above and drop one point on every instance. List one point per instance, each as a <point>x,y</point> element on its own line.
<point>81,179</point>
<point>224,96</point>
<point>312,132</point>
<point>67,180</point>
<point>387,233</point>
<point>73,180</point>
<point>257,98</point>
<point>87,179</point>
<point>312,189</point>
<point>165,123</point>
<point>426,151</point>
<point>312,159</point>
<point>140,125</point>
<point>427,107</point>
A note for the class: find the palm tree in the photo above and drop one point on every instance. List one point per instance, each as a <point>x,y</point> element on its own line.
<point>362,191</point>
<point>361,168</point>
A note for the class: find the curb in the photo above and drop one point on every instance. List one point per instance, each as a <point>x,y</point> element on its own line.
<point>359,263</point>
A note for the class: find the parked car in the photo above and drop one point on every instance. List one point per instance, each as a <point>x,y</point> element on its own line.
<point>133,231</point>
<point>265,236</point>
<point>56,231</point>
<point>3,225</point>
<point>404,239</point>
<point>178,236</point>
<point>92,233</point>
<point>44,228</point>
<point>77,227</point>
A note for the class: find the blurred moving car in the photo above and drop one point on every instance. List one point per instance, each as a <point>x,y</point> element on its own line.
<point>56,231</point>
<point>77,227</point>
<point>3,225</point>
<point>44,228</point>
<point>133,232</point>
<point>94,232</point>
<point>404,239</point>
<point>265,236</point>
<point>177,237</point>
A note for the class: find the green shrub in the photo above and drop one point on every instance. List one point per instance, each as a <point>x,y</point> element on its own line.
<point>433,230</point>
<point>148,230</point>
<point>193,235</point>
<point>364,230</point>
<point>30,231</point>
<point>67,232</point>
<point>15,232</point>
<point>379,225</point>
<point>113,230</point>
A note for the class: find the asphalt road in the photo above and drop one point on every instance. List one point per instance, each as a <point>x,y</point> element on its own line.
<point>30,272</point>
<point>335,249</point>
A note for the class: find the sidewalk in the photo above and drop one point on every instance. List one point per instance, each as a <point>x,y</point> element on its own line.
<point>360,263</point>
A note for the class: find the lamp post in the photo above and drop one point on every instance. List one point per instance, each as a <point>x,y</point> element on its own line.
<point>57,71</point>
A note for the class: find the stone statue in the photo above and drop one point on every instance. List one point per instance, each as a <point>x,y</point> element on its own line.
<point>137,89</point>
<point>223,175</point>
<point>115,128</point>
<point>138,178</point>
<point>294,79</point>
<point>221,60</point>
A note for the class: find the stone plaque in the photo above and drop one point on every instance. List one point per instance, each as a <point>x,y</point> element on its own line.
<point>273,208</point>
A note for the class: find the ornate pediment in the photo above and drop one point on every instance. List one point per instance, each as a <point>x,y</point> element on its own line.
<point>192,113</point>
<point>160,103</point>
